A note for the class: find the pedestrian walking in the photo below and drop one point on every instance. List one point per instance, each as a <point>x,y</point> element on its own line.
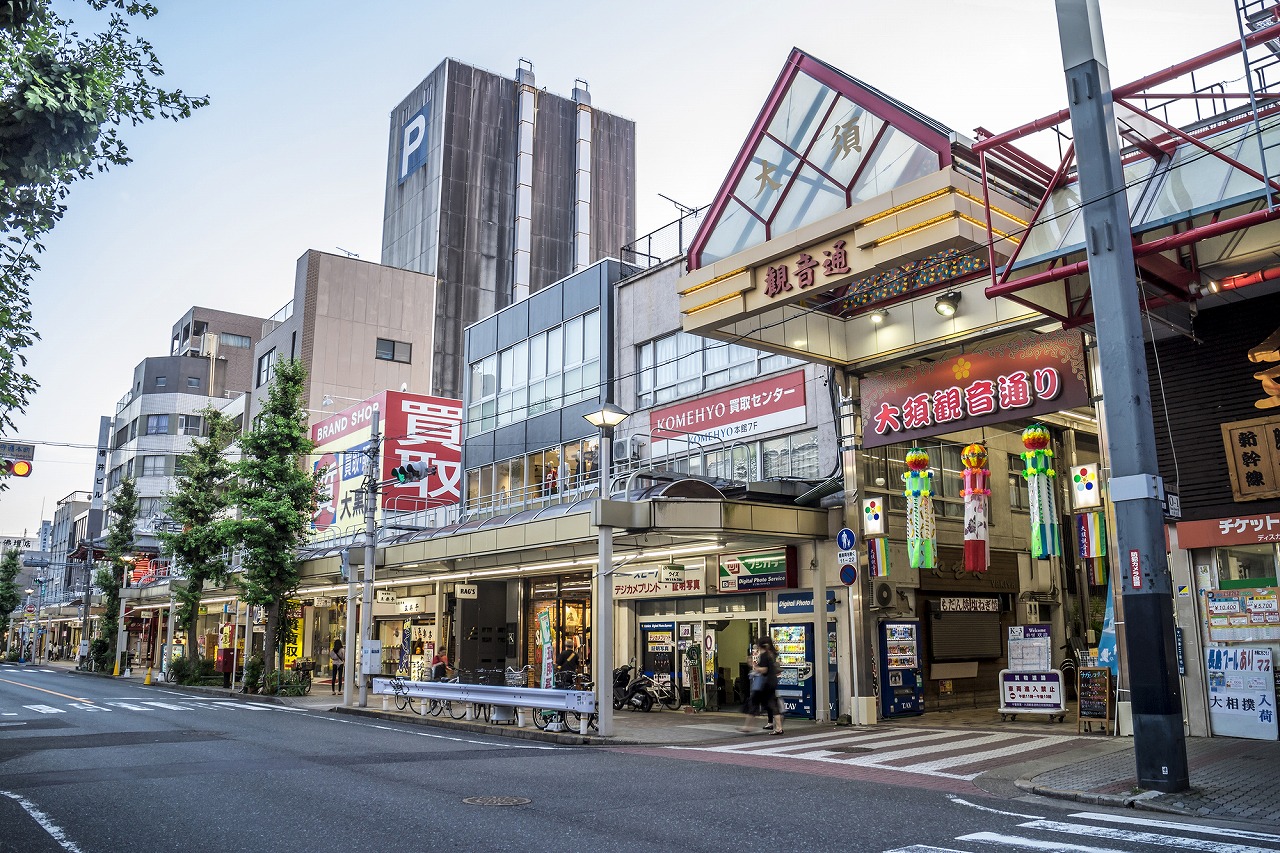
<point>339,660</point>
<point>764,687</point>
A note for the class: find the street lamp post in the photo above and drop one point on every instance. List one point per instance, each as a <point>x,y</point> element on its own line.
<point>26,628</point>
<point>605,419</point>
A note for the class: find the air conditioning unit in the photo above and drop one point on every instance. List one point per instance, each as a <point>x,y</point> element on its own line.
<point>627,449</point>
<point>209,345</point>
<point>884,595</point>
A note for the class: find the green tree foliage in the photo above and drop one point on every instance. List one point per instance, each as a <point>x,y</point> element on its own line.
<point>9,596</point>
<point>124,513</point>
<point>63,98</point>
<point>199,505</point>
<point>275,497</point>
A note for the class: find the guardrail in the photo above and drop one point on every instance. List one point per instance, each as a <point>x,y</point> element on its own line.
<point>518,698</point>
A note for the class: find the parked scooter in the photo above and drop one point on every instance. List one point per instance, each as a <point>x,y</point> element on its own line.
<point>630,691</point>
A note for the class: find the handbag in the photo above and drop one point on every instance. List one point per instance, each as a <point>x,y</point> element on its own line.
<point>757,682</point>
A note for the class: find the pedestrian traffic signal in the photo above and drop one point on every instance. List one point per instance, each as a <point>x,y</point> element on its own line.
<point>15,468</point>
<point>411,472</point>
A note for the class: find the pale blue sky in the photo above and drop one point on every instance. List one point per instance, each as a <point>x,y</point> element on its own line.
<point>216,210</point>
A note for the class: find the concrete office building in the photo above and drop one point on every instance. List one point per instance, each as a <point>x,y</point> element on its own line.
<point>499,189</point>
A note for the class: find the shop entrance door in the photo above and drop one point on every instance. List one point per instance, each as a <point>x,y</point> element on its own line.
<point>722,664</point>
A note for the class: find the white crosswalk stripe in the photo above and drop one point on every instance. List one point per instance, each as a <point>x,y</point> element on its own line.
<point>1054,836</point>
<point>151,705</point>
<point>85,706</point>
<point>885,748</point>
<point>44,709</point>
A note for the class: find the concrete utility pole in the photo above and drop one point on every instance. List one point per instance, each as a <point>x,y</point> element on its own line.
<point>370,551</point>
<point>1135,486</point>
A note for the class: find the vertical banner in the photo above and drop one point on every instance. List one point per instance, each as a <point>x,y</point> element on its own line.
<point>878,557</point>
<point>922,534</point>
<point>1046,537</point>
<point>548,650</point>
<point>1107,642</point>
<point>1091,528</point>
<point>976,492</point>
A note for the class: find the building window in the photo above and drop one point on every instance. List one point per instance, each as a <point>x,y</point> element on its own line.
<point>190,424</point>
<point>883,467</point>
<point>1019,497</point>
<point>392,351</point>
<point>133,429</point>
<point>683,365</point>
<point>157,424</point>
<point>148,507</point>
<point>162,381</point>
<point>153,466</point>
<point>266,367</point>
<point>128,468</point>
<point>229,340</point>
<point>552,369</point>
<point>193,381</point>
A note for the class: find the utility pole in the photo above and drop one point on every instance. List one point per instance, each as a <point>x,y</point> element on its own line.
<point>1135,488</point>
<point>370,549</point>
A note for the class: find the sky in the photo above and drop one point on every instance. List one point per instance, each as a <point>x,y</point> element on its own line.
<point>289,156</point>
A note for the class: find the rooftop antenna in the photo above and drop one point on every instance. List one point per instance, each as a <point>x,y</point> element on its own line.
<point>347,252</point>
<point>684,209</point>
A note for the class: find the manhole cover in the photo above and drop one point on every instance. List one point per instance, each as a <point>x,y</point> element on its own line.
<point>496,801</point>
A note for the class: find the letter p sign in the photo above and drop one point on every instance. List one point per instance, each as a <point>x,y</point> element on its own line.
<point>413,142</point>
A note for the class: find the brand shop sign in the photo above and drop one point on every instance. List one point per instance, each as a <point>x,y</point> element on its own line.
<point>1022,378</point>
<point>739,414</point>
<point>756,571</point>
<point>1237,530</point>
<point>794,603</point>
<point>660,582</point>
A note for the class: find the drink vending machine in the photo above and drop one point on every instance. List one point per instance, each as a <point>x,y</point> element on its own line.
<point>795,658</point>
<point>901,679</point>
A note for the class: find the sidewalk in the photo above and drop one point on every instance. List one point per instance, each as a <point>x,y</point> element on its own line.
<point>1231,779</point>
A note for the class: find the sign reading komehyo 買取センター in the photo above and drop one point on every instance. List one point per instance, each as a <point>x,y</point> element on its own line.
<point>1022,378</point>
<point>720,419</point>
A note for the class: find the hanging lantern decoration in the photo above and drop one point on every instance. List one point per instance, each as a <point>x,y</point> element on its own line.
<point>976,490</point>
<point>1046,537</point>
<point>922,534</point>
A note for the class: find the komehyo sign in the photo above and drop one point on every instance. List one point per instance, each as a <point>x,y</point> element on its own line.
<point>1026,377</point>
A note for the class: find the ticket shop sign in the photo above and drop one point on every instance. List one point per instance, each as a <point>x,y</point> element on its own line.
<point>1021,379</point>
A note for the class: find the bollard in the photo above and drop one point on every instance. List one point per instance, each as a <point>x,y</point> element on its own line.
<point>386,702</point>
<point>148,678</point>
<point>520,718</point>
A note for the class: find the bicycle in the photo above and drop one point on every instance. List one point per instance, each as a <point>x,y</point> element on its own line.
<point>403,699</point>
<point>666,692</point>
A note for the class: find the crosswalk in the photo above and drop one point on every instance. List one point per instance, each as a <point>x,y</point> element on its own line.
<point>944,753</point>
<point>1083,832</point>
<point>109,705</point>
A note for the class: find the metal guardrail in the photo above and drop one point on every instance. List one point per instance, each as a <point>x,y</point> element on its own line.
<point>581,701</point>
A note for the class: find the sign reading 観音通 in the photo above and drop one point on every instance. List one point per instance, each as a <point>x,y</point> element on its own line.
<point>1253,457</point>
<point>760,570</point>
<point>740,414</point>
<point>1019,379</point>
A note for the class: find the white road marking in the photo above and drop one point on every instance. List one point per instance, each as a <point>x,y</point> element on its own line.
<point>55,831</point>
<point>953,798</point>
<point>1170,824</point>
<point>44,709</point>
<point>165,705</point>
<point>81,706</point>
<point>431,735</point>
<point>129,706</point>
<point>923,848</point>
<point>1033,844</point>
<point>1143,837</point>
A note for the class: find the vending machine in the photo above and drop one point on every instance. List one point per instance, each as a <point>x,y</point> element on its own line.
<point>795,658</point>
<point>901,679</point>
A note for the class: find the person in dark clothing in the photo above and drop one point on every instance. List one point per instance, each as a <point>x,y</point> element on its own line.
<point>338,659</point>
<point>441,670</point>
<point>764,687</point>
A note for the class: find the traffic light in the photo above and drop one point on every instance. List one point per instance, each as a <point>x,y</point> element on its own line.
<point>411,472</point>
<point>15,468</point>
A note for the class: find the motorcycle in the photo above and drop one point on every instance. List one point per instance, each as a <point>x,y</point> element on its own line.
<point>630,690</point>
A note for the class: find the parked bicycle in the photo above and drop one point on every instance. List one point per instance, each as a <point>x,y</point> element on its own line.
<point>403,699</point>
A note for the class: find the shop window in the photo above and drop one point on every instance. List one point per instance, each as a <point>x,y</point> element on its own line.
<point>1247,565</point>
<point>792,456</point>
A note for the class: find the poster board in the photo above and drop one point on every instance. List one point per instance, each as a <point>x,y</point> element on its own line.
<point>1030,648</point>
<point>1093,687</point>
<point>1243,615</point>
<point>1242,692</point>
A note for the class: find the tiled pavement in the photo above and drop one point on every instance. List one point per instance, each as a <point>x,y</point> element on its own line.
<point>1231,779</point>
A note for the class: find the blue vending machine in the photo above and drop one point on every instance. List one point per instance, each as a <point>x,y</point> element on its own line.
<point>901,679</point>
<point>795,658</point>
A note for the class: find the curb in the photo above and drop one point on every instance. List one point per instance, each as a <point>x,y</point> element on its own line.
<point>1144,801</point>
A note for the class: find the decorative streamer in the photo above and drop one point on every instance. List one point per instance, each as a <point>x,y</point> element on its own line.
<point>977,489</point>
<point>1092,530</point>
<point>922,535</point>
<point>1046,536</point>
<point>878,557</point>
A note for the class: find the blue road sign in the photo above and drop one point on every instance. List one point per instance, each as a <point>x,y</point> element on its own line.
<point>845,540</point>
<point>848,575</point>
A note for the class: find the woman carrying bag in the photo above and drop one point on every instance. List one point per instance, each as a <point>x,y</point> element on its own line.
<point>764,687</point>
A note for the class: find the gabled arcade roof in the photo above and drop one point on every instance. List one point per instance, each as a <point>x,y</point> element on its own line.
<point>823,142</point>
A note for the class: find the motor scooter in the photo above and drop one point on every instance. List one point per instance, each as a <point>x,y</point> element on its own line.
<point>631,691</point>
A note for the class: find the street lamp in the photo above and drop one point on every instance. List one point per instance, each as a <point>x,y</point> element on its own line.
<point>26,627</point>
<point>604,419</point>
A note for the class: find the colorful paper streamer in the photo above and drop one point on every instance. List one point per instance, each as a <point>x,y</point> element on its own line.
<point>878,557</point>
<point>922,534</point>
<point>976,492</point>
<point>1046,534</point>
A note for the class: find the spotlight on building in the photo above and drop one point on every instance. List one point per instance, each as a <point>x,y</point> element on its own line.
<point>947,303</point>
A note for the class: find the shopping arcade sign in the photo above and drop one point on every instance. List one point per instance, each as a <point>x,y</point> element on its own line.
<point>1023,378</point>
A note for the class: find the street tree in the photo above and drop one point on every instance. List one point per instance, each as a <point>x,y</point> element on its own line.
<point>63,98</point>
<point>9,597</point>
<point>199,506</point>
<point>110,578</point>
<point>275,497</point>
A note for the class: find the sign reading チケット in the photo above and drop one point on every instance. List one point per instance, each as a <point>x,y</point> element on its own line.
<point>1019,379</point>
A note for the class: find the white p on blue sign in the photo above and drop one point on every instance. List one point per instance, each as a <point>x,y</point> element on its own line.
<point>413,142</point>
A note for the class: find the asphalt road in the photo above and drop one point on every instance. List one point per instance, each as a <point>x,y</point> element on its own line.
<point>93,765</point>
